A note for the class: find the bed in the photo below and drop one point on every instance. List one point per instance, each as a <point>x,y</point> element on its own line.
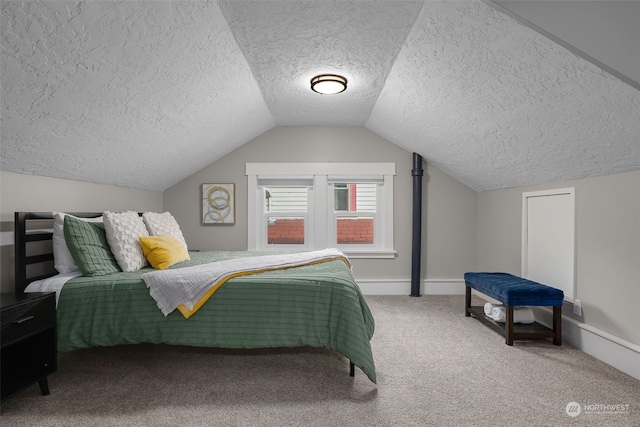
<point>317,305</point>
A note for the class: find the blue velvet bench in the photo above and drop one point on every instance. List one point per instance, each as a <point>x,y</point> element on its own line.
<point>515,291</point>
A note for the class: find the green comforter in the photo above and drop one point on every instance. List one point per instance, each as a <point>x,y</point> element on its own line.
<point>316,305</point>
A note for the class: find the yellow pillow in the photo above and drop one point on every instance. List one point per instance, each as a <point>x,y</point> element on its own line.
<point>163,251</point>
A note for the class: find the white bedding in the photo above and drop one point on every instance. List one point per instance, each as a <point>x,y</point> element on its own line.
<point>52,284</point>
<point>191,286</point>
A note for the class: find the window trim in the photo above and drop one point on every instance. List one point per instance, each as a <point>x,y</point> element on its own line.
<point>322,174</point>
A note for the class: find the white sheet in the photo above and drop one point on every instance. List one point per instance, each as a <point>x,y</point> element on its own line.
<point>52,284</point>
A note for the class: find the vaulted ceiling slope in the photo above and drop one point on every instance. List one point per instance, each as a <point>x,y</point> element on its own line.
<point>144,94</point>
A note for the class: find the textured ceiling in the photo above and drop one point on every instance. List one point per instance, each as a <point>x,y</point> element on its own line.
<point>287,43</point>
<point>494,104</point>
<point>135,94</point>
<point>144,94</point>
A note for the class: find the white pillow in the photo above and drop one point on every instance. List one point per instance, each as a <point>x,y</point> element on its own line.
<point>163,224</point>
<point>123,230</point>
<point>62,258</point>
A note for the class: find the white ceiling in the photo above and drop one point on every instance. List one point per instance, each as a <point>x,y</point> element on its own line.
<point>117,92</point>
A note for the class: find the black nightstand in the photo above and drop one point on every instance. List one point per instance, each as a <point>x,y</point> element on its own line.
<point>28,350</point>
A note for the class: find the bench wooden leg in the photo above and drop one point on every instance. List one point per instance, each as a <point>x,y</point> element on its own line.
<point>467,301</point>
<point>509,325</point>
<point>557,325</point>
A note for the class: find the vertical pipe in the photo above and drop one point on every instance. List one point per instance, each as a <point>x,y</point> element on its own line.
<point>416,241</point>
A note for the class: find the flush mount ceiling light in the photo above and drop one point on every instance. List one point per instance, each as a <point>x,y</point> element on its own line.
<point>328,84</point>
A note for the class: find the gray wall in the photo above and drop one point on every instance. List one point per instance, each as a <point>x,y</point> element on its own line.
<point>40,194</point>
<point>449,211</point>
<point>607,246</point>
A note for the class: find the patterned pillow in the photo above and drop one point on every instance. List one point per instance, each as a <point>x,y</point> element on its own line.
<point>163,224</point>
<point>62,258</point>
<point>87,242</point>
<point>123,230</point>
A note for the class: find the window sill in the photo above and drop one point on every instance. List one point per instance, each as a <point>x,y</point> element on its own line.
<point>356,254</point>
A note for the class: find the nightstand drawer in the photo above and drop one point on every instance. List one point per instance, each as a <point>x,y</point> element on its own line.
<point>27,318</point>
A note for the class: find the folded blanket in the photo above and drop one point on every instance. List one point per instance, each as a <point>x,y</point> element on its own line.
<point>187,289</point>
<point>520,315</point>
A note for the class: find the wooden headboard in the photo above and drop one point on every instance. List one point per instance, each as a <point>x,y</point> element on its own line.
<point>26,233</point>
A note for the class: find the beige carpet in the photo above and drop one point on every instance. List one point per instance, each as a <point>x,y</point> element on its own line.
<point>435,367</point>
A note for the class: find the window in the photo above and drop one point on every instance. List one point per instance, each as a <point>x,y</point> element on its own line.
<point>354,213</point>
<point>285,215</point>
<point>317,205</point>
<point>341,197</point>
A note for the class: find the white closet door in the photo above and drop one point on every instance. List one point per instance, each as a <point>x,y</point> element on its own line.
<point>549,239</point>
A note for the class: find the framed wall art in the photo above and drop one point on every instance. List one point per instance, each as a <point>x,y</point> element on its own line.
<point>218,204</point>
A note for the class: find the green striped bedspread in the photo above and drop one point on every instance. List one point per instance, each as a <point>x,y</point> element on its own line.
<point>316,305</point>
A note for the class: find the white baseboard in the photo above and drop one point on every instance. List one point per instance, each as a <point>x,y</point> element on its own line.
<point>403,287</point>
<point>622,355</point>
